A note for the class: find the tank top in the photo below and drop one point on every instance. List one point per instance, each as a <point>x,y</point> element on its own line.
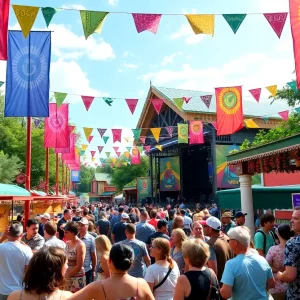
<point>72,257</point>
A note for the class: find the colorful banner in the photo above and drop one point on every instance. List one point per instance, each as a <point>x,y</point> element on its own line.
<point>135,156</point>
<point>117,135</point>
<point>277,21</point>
<point>70,156</point>
<point>87,131</point>
<point>229,110</point>
<point>250,123</point>
<point>169,174</point>
<point>136,133</point>
<point>27,75</point>
<point>179,102</point>
<point>56,127</point>
<point>204,24</point>
<point>60,98</point>
<point>48,13</point>
<point>143,140</point>
<point>40,208</point>
<point>159,147</point>
<point>170,130</point>
<point>132,103</point>
<point>147,148</point>
<point>206,100</point>
<point>87,101</point>
<point>107,154</point>
<point>143,188</point>
<point>186,99</point>
<point>256,93</point>
<point>234,21</point>
<point>272,89</point>
<point>293,85</point>
<point>92,21</point>
<point>93,153</point>
<point>116,149</point>
<point>196,132</point>
<point>105,139</point>
<point>66,150</point>
<point>4,15</point>
<point>183,134</point>
<point>101,131</point>
<point>284,115</point>
<point>75,176</point>
<point>90,138</point>
<point>156,133</point>
<point>149,22</point>
<point>4,217</point>
<point>157,104</point>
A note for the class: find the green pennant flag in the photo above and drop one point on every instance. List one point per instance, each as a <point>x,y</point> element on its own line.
<point>92,21</point>
<point>107,154</point>
<point>60,98</point>
<point>297,109</point>
<point>179,102</point>
<point>141,149</point>
<point>105,139</point>
<point>234,20</point>
<point>293,86</point>
<point>1,83</point>
<point>136,133</point>
<point>81,152</point>
<point>183,134</point>
<point>48,13</point>
<point>128,148</point>
<point>108,101</point>
<point>265,119</point>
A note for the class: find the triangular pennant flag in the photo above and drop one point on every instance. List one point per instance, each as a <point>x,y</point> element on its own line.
<point>147,148</point>
<point>157,104</point>
<point>1,83</point>
<point>159,147</point>
<point>125,163</point>
<point>116,148</point>
<point>93,153</point>
<point>81,152</point>
<point>71,129</point>
<point>250,123</point>
<point>128,139</point>
<point>293,85</point>
<point>85,164</point>
<point>101,160</point>
<point>93,159</point>
<point>48,13</point>
<point>26,16</point>
<point>128,148</point>
<point>145,22</point>
<point>234,20</point>
<point>206,100</point>
<point>90,138</point>
<point>96,164</point>
<point>92,21</point>
<point>265,119</point>
<point>136,133</point>
<point>59,98</point>
<point>277,21</point>
<point>132,104</point>
<point>113,160</point>
<point>108,101</point>
<point>87,132</point>
<point>202,23</point>
<point>170,130</point>
<point>101,131</point>
<point>112,165</point>
<point>87,101</point>
<point>256,93</point>
<point>141,148</point>
<point>156,133</point>
<point>186,99</point>
<point>214,124</point>
<point>272,89</point>
<point>105,139</point>
<point>297,109</point>
<point>117,135</point>
<point>179,102</point>
<point>84,147</point>
<point>143,139</point>
<point>127,154</point>
<point>107,154</point>
<point>284,115</point>
<point>118,153</point>
<point>37,122</point>
<point>100,148</point>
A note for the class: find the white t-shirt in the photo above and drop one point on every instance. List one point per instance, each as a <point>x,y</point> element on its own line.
<point>187,222</point>
<point>156,273</point>
<point>13,258</point>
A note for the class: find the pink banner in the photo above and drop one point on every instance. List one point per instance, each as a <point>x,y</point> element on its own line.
<point>196,132</point>
<point>118,153</point>
<point>56,127</point>
<point>214,124</point>
<point>69,157</point>
<point>100,148</point>
<point>145,22</point>
<point>284,115</point>
<point>157,104</point>
<point>170,130</point>
<point>90,138</point>
<point>143,139</point>
<point>93,153</point>
<point>135,156</point>
<point>147,148</point>
<point>101,131</point>
<point>4,15</point>
<point>66,150</point>
<point>87,101</point>
<point>187,99</point>
<point>116,148</point>
<point>256,93</point>
<point>117,134</point>
<point>132,104</point>
<point>206,100</point>
<point>277,21</point>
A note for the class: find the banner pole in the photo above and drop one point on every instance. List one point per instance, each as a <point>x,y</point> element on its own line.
<point>62,178</point>
<point>47,171</point>
<point>28,170</point>
<point>56,177</point>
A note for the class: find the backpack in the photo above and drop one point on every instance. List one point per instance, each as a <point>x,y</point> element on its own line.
<point>265,238</point>
<point>214,290</point>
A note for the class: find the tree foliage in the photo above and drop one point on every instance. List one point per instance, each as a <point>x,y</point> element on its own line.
<point>286,93</point>
<point>86,176</point>
<point>9,167</point>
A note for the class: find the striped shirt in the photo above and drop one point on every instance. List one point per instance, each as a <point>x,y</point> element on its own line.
<point>35,243</point>
<point>90,246</point>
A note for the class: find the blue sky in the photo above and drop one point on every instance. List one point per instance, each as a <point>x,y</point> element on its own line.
<point>120,62</point>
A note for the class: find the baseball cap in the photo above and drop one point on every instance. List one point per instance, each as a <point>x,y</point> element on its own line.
<point>84,221</point>
<point>124,216</point>
<point>214,223</point>
<point>46,216</point>
<point>239,214</point>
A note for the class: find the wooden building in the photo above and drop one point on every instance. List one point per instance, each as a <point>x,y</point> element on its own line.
<point>101,188</point>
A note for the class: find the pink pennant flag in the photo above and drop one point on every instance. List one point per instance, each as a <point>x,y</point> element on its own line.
<point>284,115</point>
<point>103,165</point>
<point>85,164</point>
<point>187,99</point>
<point>214,124</point>
<point>93,153</point>
<point>116,149</point>
<point>132,104</point>
<point>112,165</point>
<point>100,148</point>
<point>71,128</point>
<point>135,156</point>
<point>90,138</point>
<point>147,148</point>
<point>67,150</point>
<point>96,164</point>
<point>170,130</point>
<point>157,104</point>
<point>277,21</point>
<point>206,100</point>
<point>117,133</point>
<point>87,101</point>
<point>256,93</point>
<point>196,132</point>
<point>145,22</point>
<point>70,156</point>
<point>143,139</point>
<point>118,153</point>
<point>101,131</point>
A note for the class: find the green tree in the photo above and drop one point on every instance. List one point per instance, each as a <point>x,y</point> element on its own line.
<point>9,167</point>
<point>286,93</point>
<point>86,176</point>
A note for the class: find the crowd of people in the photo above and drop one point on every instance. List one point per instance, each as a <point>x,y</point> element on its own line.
<point>104,252</point>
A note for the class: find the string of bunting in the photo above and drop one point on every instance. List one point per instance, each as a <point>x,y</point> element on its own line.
<point>93,21</point>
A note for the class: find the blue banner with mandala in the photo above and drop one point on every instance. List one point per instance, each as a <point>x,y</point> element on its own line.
<point>27,74</point>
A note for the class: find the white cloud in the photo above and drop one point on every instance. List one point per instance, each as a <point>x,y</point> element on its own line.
<point>186,32</point>
<point>169,59</point>
<point>130,66</point>
<point>113,2</point>
<point>141,93</point>
<point>125,54</point>
<point>74,6</point>
<point>268,6</point>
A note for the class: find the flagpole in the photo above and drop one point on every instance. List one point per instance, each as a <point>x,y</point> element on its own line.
<point>62,176</point>
<point>66,180</point>
<point>47,171</point>
<point>28,170</point>
<point>56,180</point>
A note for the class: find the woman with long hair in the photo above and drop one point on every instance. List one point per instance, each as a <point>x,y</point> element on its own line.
<point>178,236</point>
<point>44,277</point>
<point>103,246</point>
<point>162,276</point>
<point>120,285</point>
<point>92,230</point>
<point>177,223</point>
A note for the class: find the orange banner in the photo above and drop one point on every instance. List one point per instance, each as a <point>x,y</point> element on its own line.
<point>4,217</point>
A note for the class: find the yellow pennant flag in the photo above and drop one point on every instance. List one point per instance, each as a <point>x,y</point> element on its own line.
<point>159,147</point>
<point>250,123</point>
<point>77,150</point>
<point>156,133</point>
<point>202,23</point>
<point>113,160</point>
<point>93,159</point>
<point>127,154</point>
<point>272,89</point>
<point>26,16</point>
<point>87,132</point>
<point>84,147</point>
<point>125,163</point>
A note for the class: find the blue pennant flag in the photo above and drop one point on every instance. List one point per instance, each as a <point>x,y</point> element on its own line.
<point>27,74</point>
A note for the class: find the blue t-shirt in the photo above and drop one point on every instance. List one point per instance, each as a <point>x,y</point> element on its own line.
<point>248,275</point>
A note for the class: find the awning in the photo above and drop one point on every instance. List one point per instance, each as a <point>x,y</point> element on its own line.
<point>263,197</point>
<point>107,194</point>
<point>12,190</point>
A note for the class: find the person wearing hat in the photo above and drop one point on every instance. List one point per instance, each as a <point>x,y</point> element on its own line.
<point>77,216</point>
<point>118,230</point>
<point>44,219</point>
<point>240,218</point>
<point>227,222</point>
